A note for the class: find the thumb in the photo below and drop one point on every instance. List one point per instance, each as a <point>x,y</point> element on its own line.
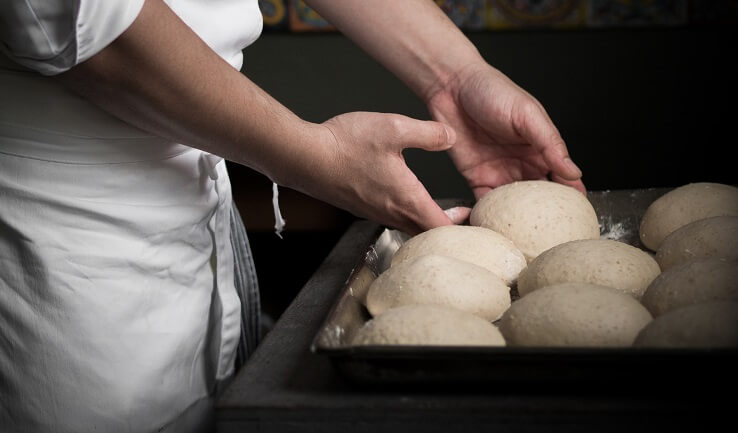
<point>428,214</point>
<point>539,131</point>
<point>424,134</point>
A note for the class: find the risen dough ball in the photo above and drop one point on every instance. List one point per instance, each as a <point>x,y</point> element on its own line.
<point>707,324</point>
<point>440,280</point>
<point>360,284</point>
<point>574,314</point>
<point>710,237</point>
<point>596,261</point>
<point>684,205</point>
<point>537,215</point>
<point>477,245</point>
<point>698,280</point>
<point>427,324</point>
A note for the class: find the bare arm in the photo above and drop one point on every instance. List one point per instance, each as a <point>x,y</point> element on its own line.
<point>504,133</point>
<point>160,76</point>
<point>412,38</point>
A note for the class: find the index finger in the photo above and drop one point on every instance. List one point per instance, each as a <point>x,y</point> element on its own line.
<point>428,214</point>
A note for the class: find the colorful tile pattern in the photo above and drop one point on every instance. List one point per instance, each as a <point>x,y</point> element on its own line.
<point>275,14</point>
<point>512,14</point>
<point>636,13</point>
<point>466,14</point>
<point>494,15</point>
<point>303,18</point>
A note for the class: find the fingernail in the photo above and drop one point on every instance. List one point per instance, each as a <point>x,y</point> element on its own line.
<point>458,214</point>
<point>572,167</point>
<point>453,213</point>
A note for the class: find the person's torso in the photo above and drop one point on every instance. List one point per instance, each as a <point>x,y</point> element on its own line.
<point>41,119</point>
<point>117,302</point>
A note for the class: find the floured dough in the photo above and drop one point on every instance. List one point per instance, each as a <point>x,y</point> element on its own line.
<point>359,285</point>
<point>706,324</point>
<point>596,261</point>
<point>698,280</point>
<point>537,215</point>
<point>709,237</point>
<point>433,279</point>
<point>683,205</point>
<point>426,324</point>
<point>477,245</point>
<point>576,315</point>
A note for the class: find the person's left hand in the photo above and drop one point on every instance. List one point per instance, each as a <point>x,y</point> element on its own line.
<point>503,133</point>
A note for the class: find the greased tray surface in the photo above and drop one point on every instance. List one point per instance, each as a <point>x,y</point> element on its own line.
<point>619,212</point>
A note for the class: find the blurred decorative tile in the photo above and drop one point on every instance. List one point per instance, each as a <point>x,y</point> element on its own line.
<point>297,16</point>
<point>511,14</point>
<point>274,13</point>
<point>709,12</point>
<point>466,14</point>
<point>624,13</point>
<point>303,18</point>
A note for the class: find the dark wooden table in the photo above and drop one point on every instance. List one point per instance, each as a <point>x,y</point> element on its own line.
<point>287,388</point>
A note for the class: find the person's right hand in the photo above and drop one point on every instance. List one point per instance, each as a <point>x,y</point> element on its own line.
<point>361,169</point>
<point>504,133</point>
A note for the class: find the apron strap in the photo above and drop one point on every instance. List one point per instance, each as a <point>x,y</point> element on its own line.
<point>247,287</point>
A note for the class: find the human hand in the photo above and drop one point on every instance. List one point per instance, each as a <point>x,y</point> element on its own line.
<point>503,133</point>
<point>361,169</point>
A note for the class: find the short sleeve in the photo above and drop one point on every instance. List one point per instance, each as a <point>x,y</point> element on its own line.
<point>51,36</point>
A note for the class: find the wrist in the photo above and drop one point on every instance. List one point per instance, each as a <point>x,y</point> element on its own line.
<point>449,82</point>
<point>449,91</point>
<point>304,156</point>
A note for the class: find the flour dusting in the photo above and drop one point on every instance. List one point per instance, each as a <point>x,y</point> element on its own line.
<point>617,231</point>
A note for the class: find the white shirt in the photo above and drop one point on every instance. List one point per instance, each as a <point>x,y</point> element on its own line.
<point>117,306</point>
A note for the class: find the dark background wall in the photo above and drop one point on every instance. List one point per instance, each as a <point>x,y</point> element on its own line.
<point>637,107</point>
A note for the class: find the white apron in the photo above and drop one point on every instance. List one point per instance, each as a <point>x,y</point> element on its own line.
<point>118,311</point>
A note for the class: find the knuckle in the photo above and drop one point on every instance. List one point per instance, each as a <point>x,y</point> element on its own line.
<point>399,127</point>
<point>530,109</point>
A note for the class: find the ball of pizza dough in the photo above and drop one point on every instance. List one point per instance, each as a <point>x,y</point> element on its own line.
<point>698,280</point>
<point>427,324</point>
<point>441,280</point>
<point>574,315</point>
<point>477,245</point>
<point>709,237</point>
<point>706,324</point>
<point>536,215</point>
<point>683,205</point>
<point>596,261</point>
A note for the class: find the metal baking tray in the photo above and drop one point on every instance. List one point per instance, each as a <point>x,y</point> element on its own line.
<point>619,213</point>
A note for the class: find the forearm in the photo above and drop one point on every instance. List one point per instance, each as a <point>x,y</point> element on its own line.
<point>412,38</point>
<point>158,75</point>
<point>161,77</point>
